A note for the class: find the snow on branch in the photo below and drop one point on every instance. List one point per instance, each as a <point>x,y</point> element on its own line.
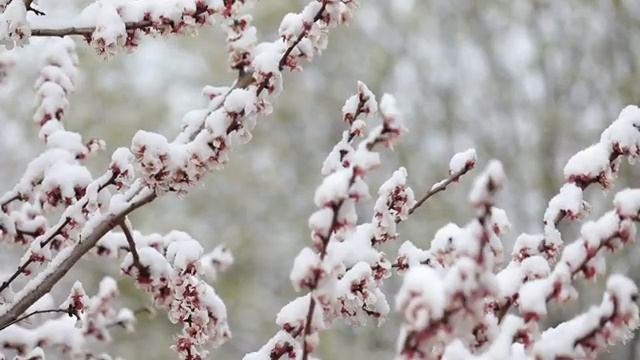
<point>14,28</point>
<point>455,299</point>
<point>443,296</point>
<point>170,269</point>
<point>112,25</point>
<point>586,335</point>
<point>85,319</point>
<point>460,164</point>
<point>584,256</point>
<point>619,140</point>
<point>344,269</point>
<point>57,178</point>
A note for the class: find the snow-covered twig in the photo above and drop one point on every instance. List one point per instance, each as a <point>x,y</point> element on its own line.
<point>343,270</point>
<point>109,27</point>
<point>40,312</point>
<point>459,165</point>
<point>86,318</point>
<point>598,163</point>
<point>454,308</point>
<point>590,333</point>
<point>445,297</point>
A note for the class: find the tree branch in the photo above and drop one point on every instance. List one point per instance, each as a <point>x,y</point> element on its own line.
<point>440,186</point>
<point>6,203</point>
<point>45,281</point>
<point>14,276</point>
<point>51,277</point>
<point>142,270</point>
<point>323,252</point>
<point>88,243</point>
<point>50,237</point>
<point>504,309</point>
<point>283,59</point>
<point>29,6</point>
<point>69,312</point>
<point>85,31</point>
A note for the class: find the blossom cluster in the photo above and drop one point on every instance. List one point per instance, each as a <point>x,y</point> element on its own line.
<point>456,297</point>
<point>456,306</point>
<point>444,290</point>
<point>57,178</point>
<point>84,319</point>
<point>538,252</point>
<point>14,28</point>
<point>122,23</point>
<point>344,269</point>
<point>209,134</point>
<point>113,25</point>
<point>171,268</point>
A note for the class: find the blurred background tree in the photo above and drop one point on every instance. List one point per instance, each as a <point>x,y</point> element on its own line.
<point>526,82</point>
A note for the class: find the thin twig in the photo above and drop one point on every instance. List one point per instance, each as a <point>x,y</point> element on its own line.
<point>440,186</point>
<point>4,205</point>
<point>24,233</point>
<point>37,312</point>
<point>303,34</point>
<point>245,78</point>
<point>142,270</point>
<point>359,109</point>
<point>323,252</point>
<point>62,225</point>
<point>21,269</point>
<point>29,6</point>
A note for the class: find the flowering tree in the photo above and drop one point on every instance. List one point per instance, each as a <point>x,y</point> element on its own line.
<point>457,300</point>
